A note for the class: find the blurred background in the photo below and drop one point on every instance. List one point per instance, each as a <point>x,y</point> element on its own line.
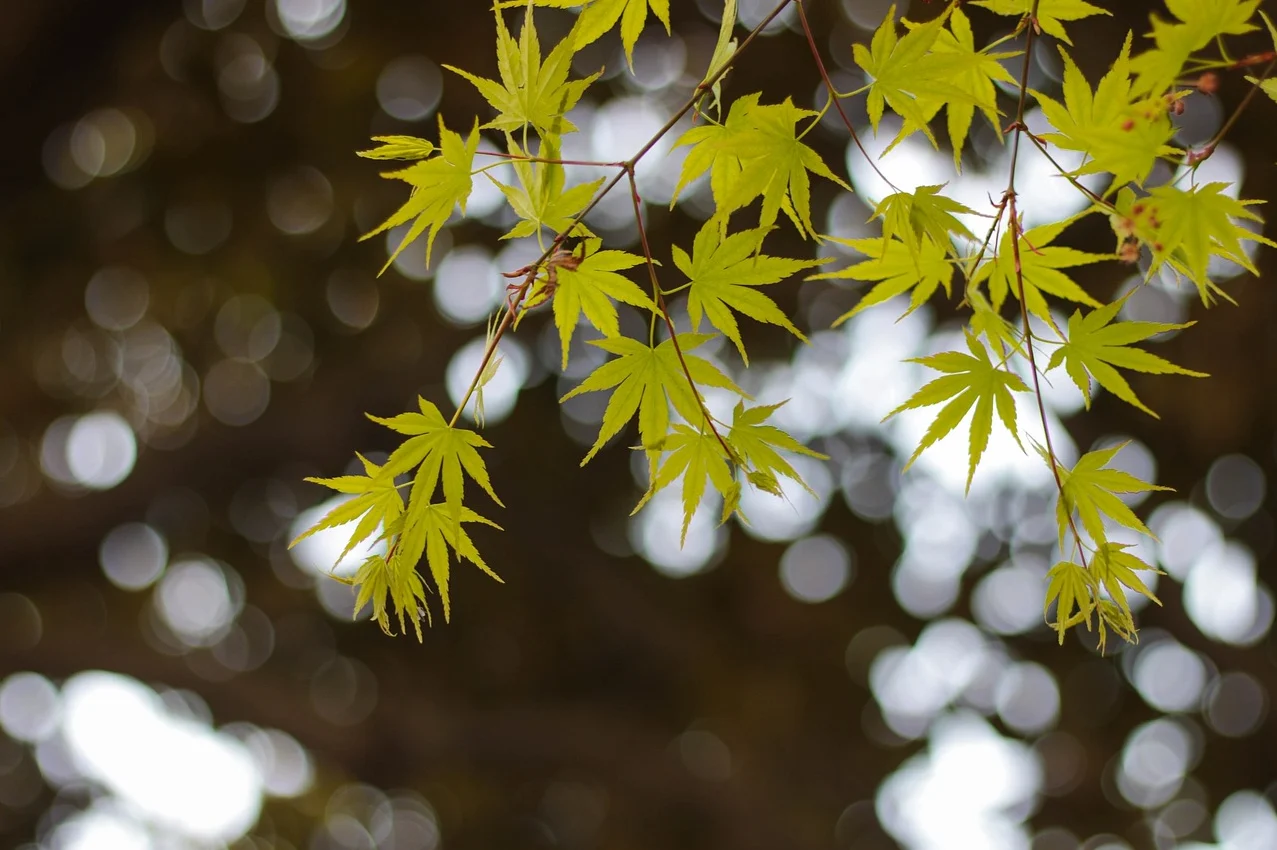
<point>188,327</point>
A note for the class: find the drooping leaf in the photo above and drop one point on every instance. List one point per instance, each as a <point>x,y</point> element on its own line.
<point>755,444</point>
<point>531,92</point>
<point>431,529</point>
<point>439,184</point>
<point>1040,264</point>
<point>1090,490</point>
<point>378,579</point>
<point>969,380</point>
<point>924,212</point>
<point>697,456</point>
<point>647,380</point>
<point>724,47</point>
<point>972,71</point>
<point>724,274</point>
<point>1072,588</point>
<point>1096,344</point>
<point>376,504</point>
<point>602,15</point>
<point>896,271</point>
<point>399,147</point>
<point>1115,569</point>
<point>1051,14</point>
<point>438,451</point>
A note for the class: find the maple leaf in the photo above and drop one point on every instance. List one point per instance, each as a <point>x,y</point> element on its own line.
<point>723,273</point>
<point>1096,344</point>
<point>972,72</point>
<point>970,380</point>
<point>1071,587</point>
<point>647,380</point>
<point>755,444</point>
<point>1199,22</point>
<point>757,152</point>
<point>438,185</point>
<point>431,529</point>
<point>922,212</point>
<point>531,92</point>
<point>601,15</point>
<point>378,578</point>
<point>896,269</point>
<point>1186,227</point>
<point>439,451</point>
<point>587,289</point>
<point>540,200</point>
<point>1119,133</point>
<point>1051,14</point>
<point>1040,264</point>
<point>399,147</point>
<point>1089,489</point>
<point>1115,569</point>
<point>696,456</point>
<point>375,499</point>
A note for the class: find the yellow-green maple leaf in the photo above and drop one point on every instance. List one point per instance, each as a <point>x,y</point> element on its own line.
<point>924,211</point>
<point>1197,24</point>
<point>429,529</point>
<point>439,184</point>
<point>755,444</point>
<point>1040,264</point>
<point>647,380</point>
<point>896,270</point>
<point>1096,344</point>
<point>376,503</point>
<point>399,147</point>
<point>1051,14</point>
<point>969,380</point>
<point>378,579</point>
<point>723,274</point>
<point>1072,588</point>
<point>601,16</point>
<point>531,92</point>
<point>1115,569</point>
<point>590,288</point>
<point>1090,490</point>
<point>540,201</point>
<point>696,455</point>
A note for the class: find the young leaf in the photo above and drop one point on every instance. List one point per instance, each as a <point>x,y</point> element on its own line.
<point>440,451</point>
<point>531,92</point>
<point>438,185</point>
<point>1051,14</point>
<point>723,273</point>
<point>1090,489</point>
<point>695,455</point>
<point>925,212</point>
<point>587,289</point>
<point>973,72</point>
<point>599,18</point>
<point>377,578</point>
<point>540,200</point>
<point>1118,132</point>
<point>1072,588</point>
<point>376,500</point>
<point>399,147</point>
<point>969,380</point>
<point>1096,344</point>
<point>647,380</point>
<point>755,444</point>
<point>1040,265</point>
<point>896,270</point>
<point>724,48</point>
<point>1200,22</point>
<point>1114,568</point>
<point>431,529</point>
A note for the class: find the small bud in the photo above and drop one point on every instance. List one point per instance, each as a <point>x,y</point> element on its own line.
<point>1208,83</point>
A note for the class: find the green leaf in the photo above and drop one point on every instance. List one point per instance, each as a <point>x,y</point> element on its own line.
<point>1072,588</point>
<point>1051,14</point>
<point>697,456</point>
<point>431,529</point>
<point>439,451</point>
<point>723,273</point>
<point>1199,23</point>
<point>897,271</point>
<point>973,72</point>
<point>540,200</point>
<point>1186,227</point>
<point>757,152</point>
<point>1096,344</point>
<point>1119,132</point>
<point>377,578</point>
<point>1040,265</point>
<point>1089,489</point>
<point>970,380</point>
<point>531,92</point>
<point>601,16</point>
<point>646,381</point>
<point>1114,568</point>
<point>376,504</point>
<point>439,184</point>
<point>724,48</point>
<point>755,444</point>
<point>590,288</point>
<point>399,147</point>
<point>911,216</point>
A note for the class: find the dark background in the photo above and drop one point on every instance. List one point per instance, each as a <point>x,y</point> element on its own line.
<point>585,668</point>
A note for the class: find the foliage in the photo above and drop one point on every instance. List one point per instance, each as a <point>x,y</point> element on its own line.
<point>1014,281</point>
